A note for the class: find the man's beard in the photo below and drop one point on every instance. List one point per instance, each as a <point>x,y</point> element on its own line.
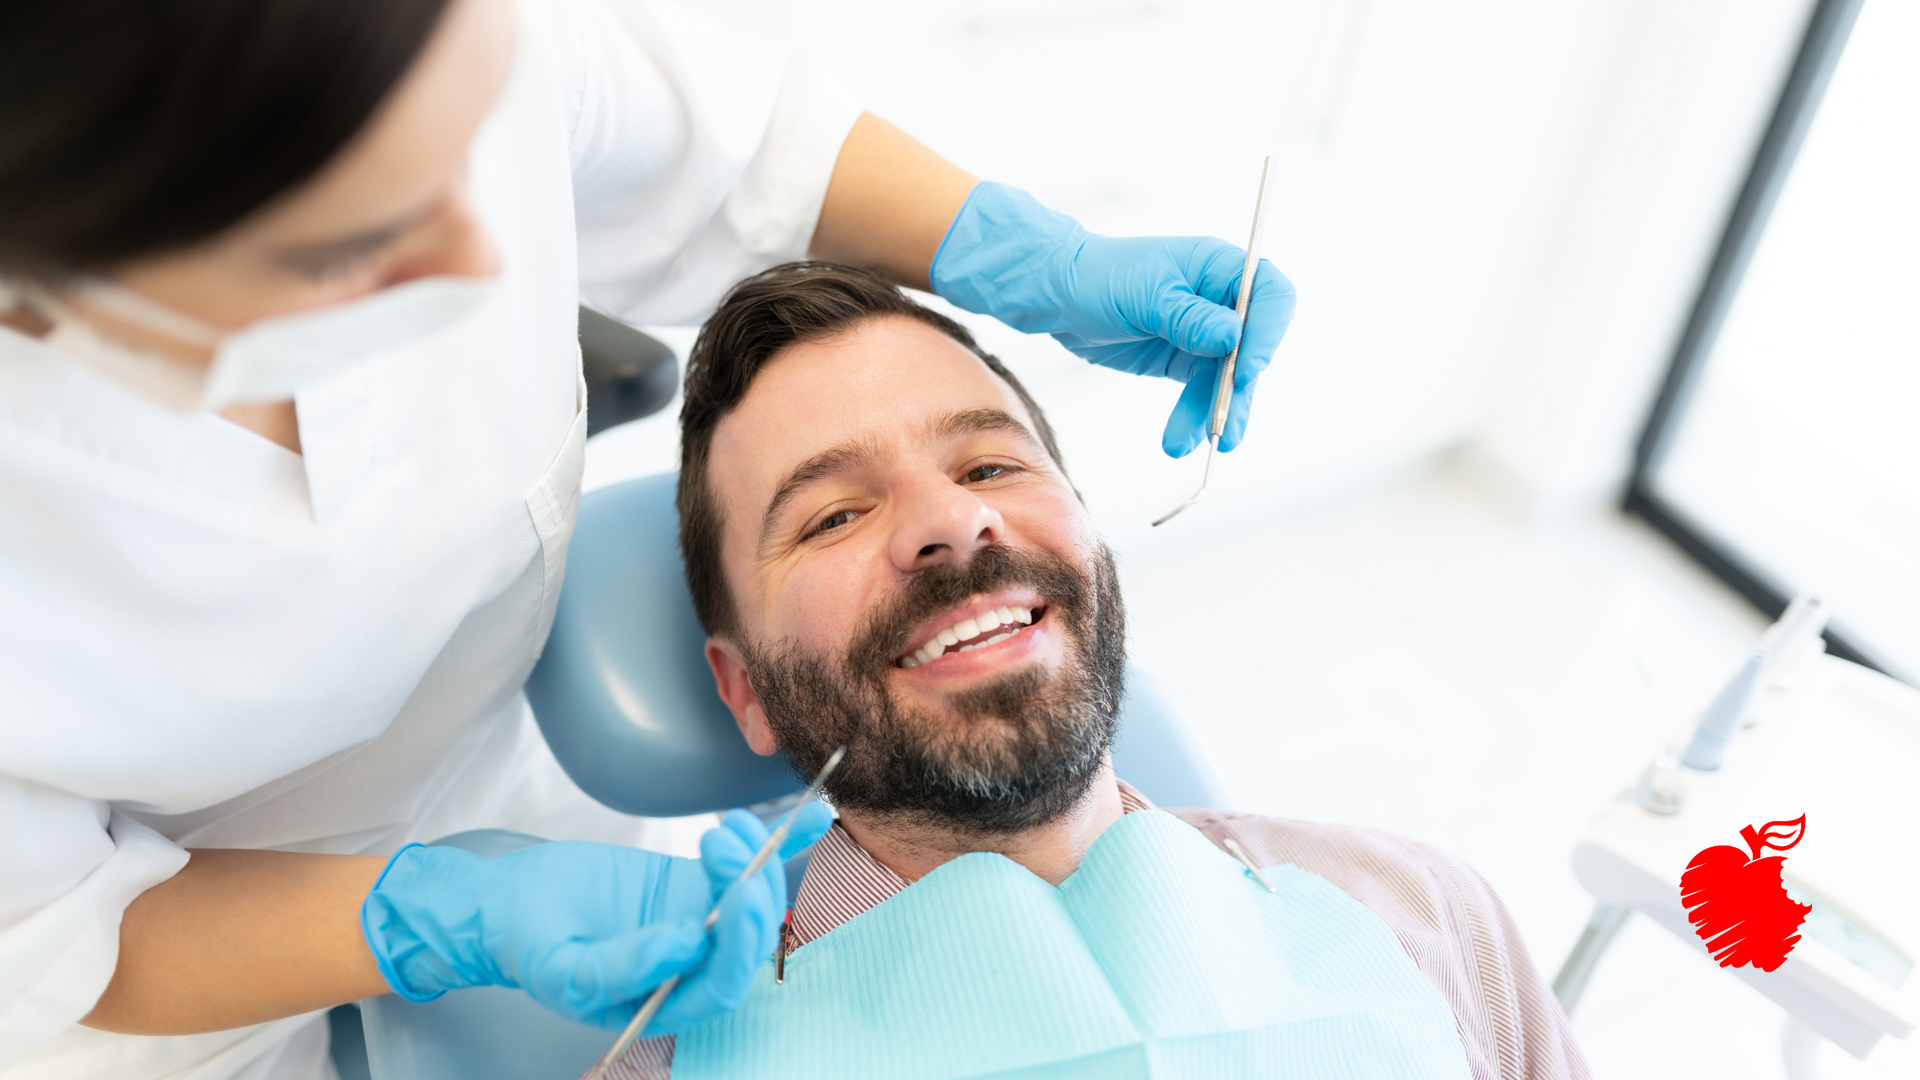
<point>1028,744</point>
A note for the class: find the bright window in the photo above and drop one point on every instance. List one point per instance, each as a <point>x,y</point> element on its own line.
<point>1790,446</point>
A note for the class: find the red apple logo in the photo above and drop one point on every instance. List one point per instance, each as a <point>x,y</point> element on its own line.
<point>1738,905</point>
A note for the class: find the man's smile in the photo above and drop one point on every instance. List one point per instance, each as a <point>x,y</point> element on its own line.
<point>983,621</point>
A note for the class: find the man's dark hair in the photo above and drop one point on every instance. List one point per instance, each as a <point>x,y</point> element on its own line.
<point>759,318</point>
<point>135,127</point>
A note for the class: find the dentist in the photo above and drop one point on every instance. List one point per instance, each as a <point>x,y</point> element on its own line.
<point>291,434</point>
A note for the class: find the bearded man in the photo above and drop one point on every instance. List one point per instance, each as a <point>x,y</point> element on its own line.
<point>882,541</point>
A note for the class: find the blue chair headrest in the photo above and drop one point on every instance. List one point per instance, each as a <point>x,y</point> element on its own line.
<point>623,692</point>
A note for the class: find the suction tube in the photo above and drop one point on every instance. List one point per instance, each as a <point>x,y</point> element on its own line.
<point>1803,620</point>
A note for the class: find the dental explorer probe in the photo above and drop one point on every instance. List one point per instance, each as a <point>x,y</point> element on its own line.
<point>1223,394</point>
<point>1238,852</point>
<point>659,996</point>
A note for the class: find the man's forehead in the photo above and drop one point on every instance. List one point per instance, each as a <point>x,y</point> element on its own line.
<point>882,388</point>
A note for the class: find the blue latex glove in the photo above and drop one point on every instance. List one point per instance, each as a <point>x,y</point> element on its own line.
<point>587,930</point>
<point>1151,305</point>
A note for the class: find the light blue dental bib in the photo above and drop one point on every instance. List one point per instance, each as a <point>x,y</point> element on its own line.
<point>1159,958</point>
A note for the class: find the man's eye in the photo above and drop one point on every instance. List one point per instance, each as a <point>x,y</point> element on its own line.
<point>984,472</point>
<point>834,521</point>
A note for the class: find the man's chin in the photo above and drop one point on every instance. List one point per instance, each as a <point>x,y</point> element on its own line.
<point>1004,705</point>
<point>1012,743</point>
<point>1003,755</point>
<point>956,743</point>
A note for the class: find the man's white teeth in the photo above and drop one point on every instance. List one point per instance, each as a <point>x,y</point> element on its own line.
<point>982,625</point>
<point>989,641</point>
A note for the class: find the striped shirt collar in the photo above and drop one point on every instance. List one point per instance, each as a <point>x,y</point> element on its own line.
<point>843,879</point>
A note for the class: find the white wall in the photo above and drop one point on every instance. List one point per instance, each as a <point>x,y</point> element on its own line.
<point>1692,87</point>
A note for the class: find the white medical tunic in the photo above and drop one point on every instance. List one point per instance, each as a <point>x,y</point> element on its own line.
<point>208,641</point>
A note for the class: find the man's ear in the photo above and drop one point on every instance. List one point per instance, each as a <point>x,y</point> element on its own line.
<point>730,679</point>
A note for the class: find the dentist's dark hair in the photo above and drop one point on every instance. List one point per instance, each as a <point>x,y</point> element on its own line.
<point>134,127</point>
<point>759,318</point>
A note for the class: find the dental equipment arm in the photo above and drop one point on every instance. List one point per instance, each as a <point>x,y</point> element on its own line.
<point>1802,622</point>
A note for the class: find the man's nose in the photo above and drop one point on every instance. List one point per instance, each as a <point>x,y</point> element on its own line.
<point>941,521</point>
<point>453,243</point>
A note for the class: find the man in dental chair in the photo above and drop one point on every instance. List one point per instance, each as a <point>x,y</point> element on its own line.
<point>883,543</point>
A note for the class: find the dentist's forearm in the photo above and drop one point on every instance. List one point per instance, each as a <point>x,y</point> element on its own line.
<point>242,937</point>
<point>889,203</point>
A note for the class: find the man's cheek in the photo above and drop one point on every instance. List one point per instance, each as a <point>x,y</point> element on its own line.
<point>1059,526</point>
<point>822,605</point>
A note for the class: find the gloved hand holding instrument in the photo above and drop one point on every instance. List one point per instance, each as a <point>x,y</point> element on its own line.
<point>588,930</point>
<point>1144,305</point>
<point>644,1020</point>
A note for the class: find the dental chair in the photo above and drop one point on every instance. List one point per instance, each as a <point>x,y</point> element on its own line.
<point>625,699</point>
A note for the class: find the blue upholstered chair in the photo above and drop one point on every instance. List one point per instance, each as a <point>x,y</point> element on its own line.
<point>625,699</point>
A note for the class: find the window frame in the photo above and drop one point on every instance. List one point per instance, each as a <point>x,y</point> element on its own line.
<point>1828,28</point>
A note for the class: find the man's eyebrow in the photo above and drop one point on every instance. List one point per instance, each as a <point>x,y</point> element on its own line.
<point>826,463</point>
<point>975,421</point>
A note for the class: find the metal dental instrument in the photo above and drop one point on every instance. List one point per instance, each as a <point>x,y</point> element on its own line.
<point>780,954</point>
<point>659,997</point>
<point>1238,852</point>
<point>1223,394</point>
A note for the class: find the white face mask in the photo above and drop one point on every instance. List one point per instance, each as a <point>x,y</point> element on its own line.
<point>267,361</point>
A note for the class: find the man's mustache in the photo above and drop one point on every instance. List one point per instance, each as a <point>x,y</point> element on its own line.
<point>890,626</point>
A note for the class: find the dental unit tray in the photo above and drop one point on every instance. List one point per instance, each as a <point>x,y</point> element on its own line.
<point>1841,744</point>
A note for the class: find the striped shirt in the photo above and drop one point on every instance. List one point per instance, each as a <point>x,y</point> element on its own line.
<point>1445,916</point>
